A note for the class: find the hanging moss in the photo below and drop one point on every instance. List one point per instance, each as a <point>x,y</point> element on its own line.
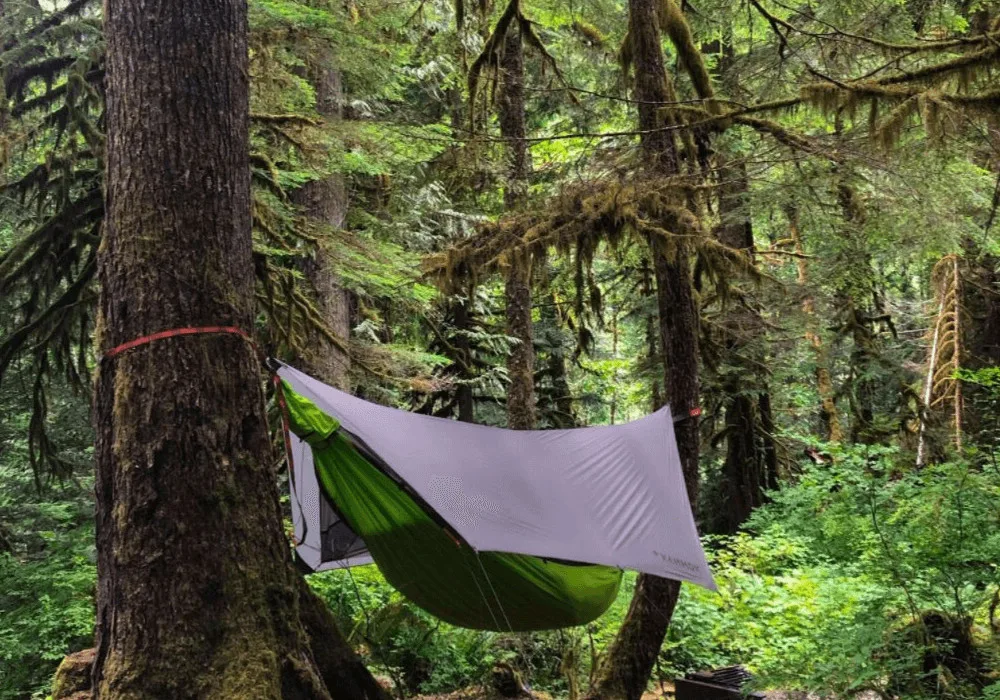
<point>674,25</point>
<point>581,220</point>
<point>486,66</point>
<point>887,132</point>
<point>589,33</point>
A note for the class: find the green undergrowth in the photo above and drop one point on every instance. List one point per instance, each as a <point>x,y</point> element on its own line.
<point>859,575</point>
<point>837,586</point>
<point>785,617</point>
<point>47,562</point>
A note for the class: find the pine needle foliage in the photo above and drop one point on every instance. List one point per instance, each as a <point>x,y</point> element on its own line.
<point>54,154</point>
<point>54,148</point>
<point>486,66</point>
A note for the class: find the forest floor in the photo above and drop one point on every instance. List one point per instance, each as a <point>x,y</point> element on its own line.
<point>484,693</point>
<point>664,691</point>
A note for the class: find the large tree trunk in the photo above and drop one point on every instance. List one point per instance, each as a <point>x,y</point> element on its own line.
<point>326,201</point>
<point>196,594</point>
<point>521,361</point>
<point>633,654</point>
<point>824,380</point>
<point>750,449</point>
<point>341,669</point>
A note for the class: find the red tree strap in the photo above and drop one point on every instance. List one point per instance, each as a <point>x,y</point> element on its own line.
<point>216,330</point>
<point>693,413</point>
<point>125,347</point>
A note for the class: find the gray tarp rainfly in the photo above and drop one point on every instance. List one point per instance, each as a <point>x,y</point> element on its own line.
<point>610,495</point>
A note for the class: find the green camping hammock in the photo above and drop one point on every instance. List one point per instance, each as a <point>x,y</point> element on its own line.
<point>420,558</point>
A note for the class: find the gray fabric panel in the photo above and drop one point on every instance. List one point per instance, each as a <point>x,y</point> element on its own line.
<point>609,495</point>
<point>339,540</point>
<point>323,540</point>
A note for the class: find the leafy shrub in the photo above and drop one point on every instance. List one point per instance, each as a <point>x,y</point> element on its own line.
<point>48,575</point>
<point>890,548</point>
<point>47,557</point>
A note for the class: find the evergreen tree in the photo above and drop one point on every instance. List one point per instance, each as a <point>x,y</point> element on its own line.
<point>196,593</point>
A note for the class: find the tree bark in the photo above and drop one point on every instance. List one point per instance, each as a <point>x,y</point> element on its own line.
<point>326,201</point>
<point>750,450</point>
<point>196,594</point>
<point>521,361</point>
<point>824,380</point>
<point>563,413</point>
<point>554,401</point>
<point>863,388</point>
<point>627,668</point>
<point>981,296</point>
<point>653,358</point>
<point>463,394</point>
<point>341,669</point>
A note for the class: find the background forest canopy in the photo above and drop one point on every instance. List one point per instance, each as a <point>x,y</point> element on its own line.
<point>540,214</point>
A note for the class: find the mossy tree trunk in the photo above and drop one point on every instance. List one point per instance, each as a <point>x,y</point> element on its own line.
<point>196,594</point>
<point>751,457</point>
<point>326,200</point>
<point>629,663</point>
<point>829,416</point>
<point>521,361</point>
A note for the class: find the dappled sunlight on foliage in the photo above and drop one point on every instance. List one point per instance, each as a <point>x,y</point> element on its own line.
<point>821,181</point>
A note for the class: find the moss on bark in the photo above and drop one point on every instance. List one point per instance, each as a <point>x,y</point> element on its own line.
<point>196,592</point>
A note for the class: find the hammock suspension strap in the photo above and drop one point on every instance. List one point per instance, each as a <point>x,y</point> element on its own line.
<point>222,330</point>
<point>174,332</point>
